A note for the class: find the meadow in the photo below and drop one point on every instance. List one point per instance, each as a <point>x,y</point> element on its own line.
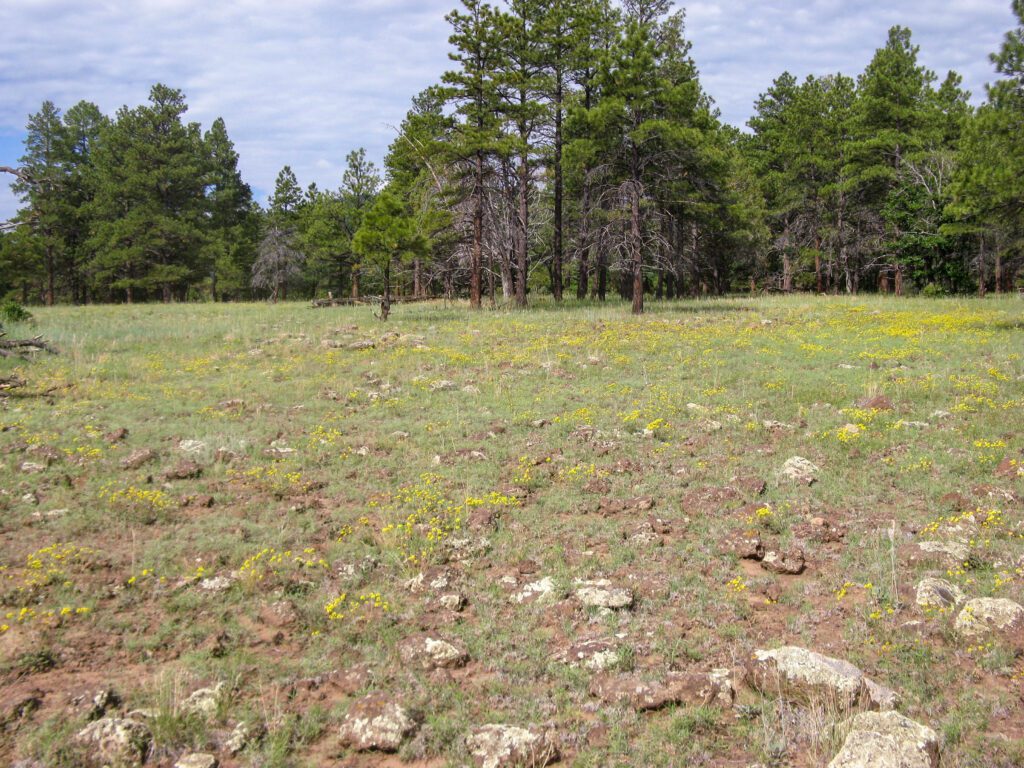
<point>231,524</point>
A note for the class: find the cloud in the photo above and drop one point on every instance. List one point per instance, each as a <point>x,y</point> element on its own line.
<point>303,83</point>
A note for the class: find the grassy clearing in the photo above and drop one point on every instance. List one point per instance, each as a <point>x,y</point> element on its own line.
<point>491,449</point>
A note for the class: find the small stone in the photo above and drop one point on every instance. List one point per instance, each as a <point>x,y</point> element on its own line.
<point>116,435</point>
<point>32,467</point>
<point>442,386</point>
<point>800,470</point>
<point>790,563</point>
<point>876,403</point>
<point>239,739</point>
<point>698,690</point>
<point>600,593</point>
<point>204,701</point>
<point>951,553</point>
<point>508,746</point>
<point>938,593</point>
<point>196,760</point>
<point>798,673</point>
<point>117,740</point>
<point>984,615</point>
<point>471,389</point>
<point>215,584</point>
<point>429,653</point>
<point>595,655</point>
<point>887,740</point>
<point>358,346</point>
<point>192,446</point>
<point>453,602</point>
<point>375,722</point>
<point>184,470</point>
<point>542,590</point>
<point>137,458</point>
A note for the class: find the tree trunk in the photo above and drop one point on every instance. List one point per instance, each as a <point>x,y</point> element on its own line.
<point>385,304</point>
<point>522,242</point>
<point>355,282</point>
<point>999,272</point>
<point>50,269</point>
<point>417,280</point>
<point>638,256</point>
<point>556,246</point>
<point>476,254</point>
<point>584,279</point>
<point>899,281</point>
<point>820,286</point>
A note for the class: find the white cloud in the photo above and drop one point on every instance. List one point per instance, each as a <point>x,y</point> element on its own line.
<point>304,82</point>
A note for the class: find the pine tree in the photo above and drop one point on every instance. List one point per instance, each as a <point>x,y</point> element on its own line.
<point>473,87</point>
<point>388,235</point>
<point>230,246</point>
<point>149,204</point>
<point>43,190</point>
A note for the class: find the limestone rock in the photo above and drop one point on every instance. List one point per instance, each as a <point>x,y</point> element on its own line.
<point>887,740</point>
<point>357,346</point>
<point>117,740</point>
<point>800,470</point>
<point>196,760</point>
<point>430,653</point>
<point>938,593</point>
<point>951,553</point>
<point>542,590</point>
<point>204,701</point>
<point>240,738</point>
<point>507,746</point>
<point>376,722</point>
<point>693,689</point>
<point>596,655</point>
<point>600,593</point>
<point>801,674</point>
<point>790,563</point>
<point>984,615</point>
<point>137,458</point>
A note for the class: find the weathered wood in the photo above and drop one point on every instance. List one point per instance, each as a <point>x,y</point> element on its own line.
<point>24,347</point>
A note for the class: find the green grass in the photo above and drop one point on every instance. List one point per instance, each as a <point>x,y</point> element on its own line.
<point>388,468</point>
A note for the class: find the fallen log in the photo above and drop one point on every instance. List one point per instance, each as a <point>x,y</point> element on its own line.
<point>24,347</point>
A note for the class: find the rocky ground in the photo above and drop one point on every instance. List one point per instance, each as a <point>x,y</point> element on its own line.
<point>733,534</point>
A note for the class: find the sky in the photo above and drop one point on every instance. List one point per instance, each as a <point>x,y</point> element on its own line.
<point>304,82</point>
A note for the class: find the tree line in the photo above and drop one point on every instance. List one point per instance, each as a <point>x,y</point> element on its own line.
<point>569,149</point>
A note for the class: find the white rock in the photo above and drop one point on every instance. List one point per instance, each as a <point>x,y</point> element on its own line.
<point>215,584</point>
<point>192,446</point>
<point>542,590</point>
<point>601,594</point>
<point>800,470</point>
<point>196,760</point>
<point>505,746</point>
<point>803,674</point>
<point>887,740</point>
<point>204,701</point>
<point>984,615</point>
<point>117,740</point>
<point>938,593</point>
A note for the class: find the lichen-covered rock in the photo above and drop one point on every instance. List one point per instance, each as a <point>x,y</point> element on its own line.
<point>600,593</point>
<point>801,674</point>
<point>985,615</point>
<point>196,760</point>
<point>951,553</point>
<point>204,701</point>
<point>376,722</point>
<point>540,591</point>
<point>799,470</point>
<point>595,655</point>
<point>430,653</point>
<point>788,563</point>
<point>508,746</point>
<point>887,740</point>
<point>938,593</point>
<point>117,740</point>
<point>694,689</point>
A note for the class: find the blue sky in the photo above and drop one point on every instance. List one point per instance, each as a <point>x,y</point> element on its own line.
<point>304,82</point>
